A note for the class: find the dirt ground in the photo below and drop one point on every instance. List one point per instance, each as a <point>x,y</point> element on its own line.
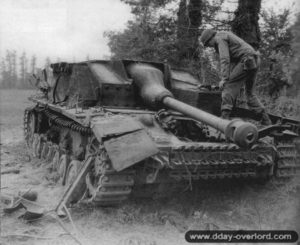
<point>135,222</point>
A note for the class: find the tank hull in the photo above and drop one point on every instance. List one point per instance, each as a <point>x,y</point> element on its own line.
<point>109,182</point>
<point>111,128</point>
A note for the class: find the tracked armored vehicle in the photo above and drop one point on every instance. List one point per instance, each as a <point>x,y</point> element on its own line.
<point>113,128</point>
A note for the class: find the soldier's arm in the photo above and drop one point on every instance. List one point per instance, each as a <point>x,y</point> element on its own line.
<point>224,59</point>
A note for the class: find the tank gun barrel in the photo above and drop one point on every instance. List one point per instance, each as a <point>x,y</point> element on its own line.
<point>195,113</point>
<point>242,133</point>
<point>150,82</point>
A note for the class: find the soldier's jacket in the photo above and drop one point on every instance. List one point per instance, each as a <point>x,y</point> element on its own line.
<point>231,48</point>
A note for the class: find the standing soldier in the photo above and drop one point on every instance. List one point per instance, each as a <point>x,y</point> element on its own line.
<point>239,66</point>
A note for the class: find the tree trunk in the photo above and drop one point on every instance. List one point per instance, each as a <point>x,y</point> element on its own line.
<point>182,23</point>
<point>245,23</point>
<point>14,68</point>
<point>195,17</point>
<point>188,24</point>
<point>23,70</point>
<point>33,64</point>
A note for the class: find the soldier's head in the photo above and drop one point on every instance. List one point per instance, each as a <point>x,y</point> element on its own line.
<point>207,38</point>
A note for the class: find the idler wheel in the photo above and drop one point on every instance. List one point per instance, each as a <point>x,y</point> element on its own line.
<point>62,167</point>
<point>29,137</point>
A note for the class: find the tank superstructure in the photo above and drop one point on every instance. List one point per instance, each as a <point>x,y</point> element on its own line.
<point>115,127</point>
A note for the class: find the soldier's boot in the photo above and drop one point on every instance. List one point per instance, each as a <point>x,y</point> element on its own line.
<point>265,119</point>
<point>226,114</point>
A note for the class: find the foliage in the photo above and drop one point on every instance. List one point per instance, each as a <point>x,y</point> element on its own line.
<point>159,30</point>
<point>23,69</point>
<point>149,40</point>
<point>245,23</point>
<point>283,106</point>
<point>276,51</point>
<point>8,69</point>
<point>157,33</point>
<point>15,74</point>
<point>295,64</point>
<point>276,31</point>
<point>153,32</point>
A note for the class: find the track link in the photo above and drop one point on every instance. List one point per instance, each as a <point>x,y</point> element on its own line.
<point>114,187</point>
<point>221,164</point>
<point>26,122</point>
<point>106,186</point>
<point>288,164</point>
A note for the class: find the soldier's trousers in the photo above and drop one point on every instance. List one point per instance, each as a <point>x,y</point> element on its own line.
<point>240,76</point>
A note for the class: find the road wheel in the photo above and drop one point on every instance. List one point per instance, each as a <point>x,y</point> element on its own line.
<point>45,150</point>
<point>62,167</point>
<point>55,158</point>
<point>39,146</point>
<point>73,170</point>
<point>34,144</point>
<point>50,152</point>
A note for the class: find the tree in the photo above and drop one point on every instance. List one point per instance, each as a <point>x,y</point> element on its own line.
<point>188,28</point>
<point>4,74</point>
<point>156,33</point>
<point>276,31</point>
<point>245,23</point>
<point>48,71</point>
<point>295,64</point>
<point>150,36</point>
<point>23,70</point>
<point>276,53</point>
<point>33,64</point>
<point>47,65</point>
<point>8,60</point>
<point>14,75</point>
<point>9,69</point>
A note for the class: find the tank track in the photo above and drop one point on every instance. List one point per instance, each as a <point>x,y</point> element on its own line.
<point>214,162</point>
<point>66,122</point>
<point>288,158</point>
<point>288,164</point>
<point>235,168</point>
<point>112,187</point>
<point>27,112</point>
<point>108,187</point>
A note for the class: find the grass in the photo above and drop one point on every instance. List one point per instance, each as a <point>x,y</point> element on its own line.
<point>12,106</point>
<point>164,221</point>
<point>284,106</point>
<point>252,206</point>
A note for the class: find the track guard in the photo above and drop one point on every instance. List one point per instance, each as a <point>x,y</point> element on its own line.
<point>127,143</point>
<point>113,126</point>
<point>129,149</point>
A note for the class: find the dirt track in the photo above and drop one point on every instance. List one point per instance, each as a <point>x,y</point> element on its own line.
<point>142,222</point>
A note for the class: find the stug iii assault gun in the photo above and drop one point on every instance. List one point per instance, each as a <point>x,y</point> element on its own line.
<point>112,129</point>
